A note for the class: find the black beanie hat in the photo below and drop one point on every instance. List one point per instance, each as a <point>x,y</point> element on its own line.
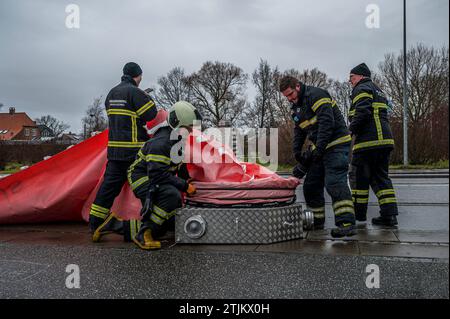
<point>361,69</point>
<point>132,69</point>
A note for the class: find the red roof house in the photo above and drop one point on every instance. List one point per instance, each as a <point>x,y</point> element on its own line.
<point>17,126</point>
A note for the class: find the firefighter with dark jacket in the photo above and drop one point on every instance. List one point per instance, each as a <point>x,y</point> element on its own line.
<point>128,109</point>
<point>317,117</point>
<point>158,176</point>
<point>373,144</point>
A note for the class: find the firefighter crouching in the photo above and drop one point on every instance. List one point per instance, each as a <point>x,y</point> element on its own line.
<point>369,125</point>
<point>153,179</point>
<point>317,117</point>
<point>128,109</point>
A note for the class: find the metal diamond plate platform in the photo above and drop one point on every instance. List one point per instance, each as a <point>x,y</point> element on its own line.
<point>239,226</point>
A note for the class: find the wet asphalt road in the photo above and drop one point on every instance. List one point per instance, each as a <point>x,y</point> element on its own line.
<point>36,268</point>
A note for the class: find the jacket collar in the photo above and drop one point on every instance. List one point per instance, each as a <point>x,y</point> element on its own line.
<point>128,79</point>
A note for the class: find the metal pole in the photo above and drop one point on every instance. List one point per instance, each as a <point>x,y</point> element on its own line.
<point>405,92</point>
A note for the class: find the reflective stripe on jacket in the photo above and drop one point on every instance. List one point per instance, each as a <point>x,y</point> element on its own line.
<point>368,117</point>
<point>128,109</point>
<point>318,118</point>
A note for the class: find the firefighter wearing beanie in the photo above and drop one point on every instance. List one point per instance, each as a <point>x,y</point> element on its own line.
<point>369,125</point>
<point>128,109</point>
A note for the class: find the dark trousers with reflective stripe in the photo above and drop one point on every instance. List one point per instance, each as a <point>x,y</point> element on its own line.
<point>371,169</point>
<point>166,201</point>
<point>332,173</point>
<point>113,180</point>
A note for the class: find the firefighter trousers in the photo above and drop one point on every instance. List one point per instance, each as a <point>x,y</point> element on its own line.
<point>166,200</point>
<point>332,173</point>
<point>371,169</point>
<point>113,180</point>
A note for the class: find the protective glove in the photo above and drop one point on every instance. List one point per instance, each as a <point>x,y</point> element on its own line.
<point>191,190</point>
<point>299,171</point>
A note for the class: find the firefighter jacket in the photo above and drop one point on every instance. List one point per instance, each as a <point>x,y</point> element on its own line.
<point>153,164</point>
<point>368,117</point>
<point>317,117</point>
<point>128,109</point>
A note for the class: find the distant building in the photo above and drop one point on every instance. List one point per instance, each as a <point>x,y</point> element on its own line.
<point>46,133</point>
<point>17,126</point>
<point>70,138</point>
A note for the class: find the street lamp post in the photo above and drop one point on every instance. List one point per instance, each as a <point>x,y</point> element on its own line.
<point>405,92</point>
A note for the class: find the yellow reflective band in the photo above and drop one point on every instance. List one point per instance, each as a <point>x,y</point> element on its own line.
<point>344,210</point>
<point>360,192</point>
<point>387,201</point>
<point>320,102</point>
<point>317,210</point>
<point>333,103</point>
<point>125,144</point>
<point>133,130</point>
<point>100,208</point>
<point>121,112</point>
<point>156,219</point>
<point>157,158</point>
<point>307,123</point>
<point>352,113</point>
<point>379,106</point>
<point>162,213</point>
<point>376,115</point>
<point>361,96</point>
<point>373,143</point>
<point>98,214</point>
<point>362,200</point>
<point>342,203</point>
<point>384,192</point>
<point>145,108</point>
<point>319,215</point>
<point>341,140</point>
<point>132,167</point>
<point>139,182</point>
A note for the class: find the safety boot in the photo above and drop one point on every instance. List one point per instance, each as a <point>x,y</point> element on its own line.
<point>144,240</point>
<point>385,220</point>
<point>95,222</point>
<point>112,224</point>
<point>361,217</point>
<point>319,223</point>
<point>343,230</point>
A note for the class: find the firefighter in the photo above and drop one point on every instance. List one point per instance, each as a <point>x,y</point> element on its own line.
<point>128,109</point>
<point>317,117</point>
<point>153,177</point>
<point>369,125</point>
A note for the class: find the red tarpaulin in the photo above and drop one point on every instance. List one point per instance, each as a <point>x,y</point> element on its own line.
<point>63,187</point>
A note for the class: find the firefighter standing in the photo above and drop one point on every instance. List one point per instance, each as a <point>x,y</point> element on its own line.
<point>128,109</point>
<point>317,118</point>
<point>153,178</point>
<point>369,124</point>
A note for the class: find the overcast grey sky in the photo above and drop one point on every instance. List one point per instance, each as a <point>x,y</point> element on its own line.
<point>47,68</point>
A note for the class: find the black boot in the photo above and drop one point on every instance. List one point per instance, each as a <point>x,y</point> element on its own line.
<point>319,223</point>
<point>95,222</point>
<point>385,220</point>
<point>112,224</point>
<point>343,230</point>
<point>360,217</point>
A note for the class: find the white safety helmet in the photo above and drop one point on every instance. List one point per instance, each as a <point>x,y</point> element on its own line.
<point>182,114</point>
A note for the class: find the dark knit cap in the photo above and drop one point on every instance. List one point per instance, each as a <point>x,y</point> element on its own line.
<point>361,69</point>
<point>132,69</point>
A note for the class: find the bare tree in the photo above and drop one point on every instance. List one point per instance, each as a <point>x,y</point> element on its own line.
<point>341,92</point>
<point>262,112</point>
<point>218,91</point>
<point>428,100</point>
<point>57,127</point>
<point>313,77</point>
<point>95,119</point>
<point>173,87</point>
